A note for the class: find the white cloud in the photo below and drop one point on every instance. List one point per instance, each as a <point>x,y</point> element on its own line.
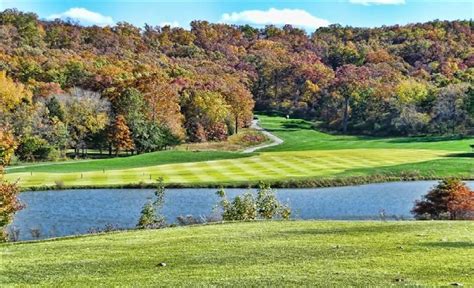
<point>171,24</point>
<point>295,17</point>
<point>378,2</point>
<point>84,16</point>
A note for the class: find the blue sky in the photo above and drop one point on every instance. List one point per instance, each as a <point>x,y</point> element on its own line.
<point>305,14</point>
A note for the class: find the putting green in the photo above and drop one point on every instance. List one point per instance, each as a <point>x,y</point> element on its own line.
<point>265,166</point>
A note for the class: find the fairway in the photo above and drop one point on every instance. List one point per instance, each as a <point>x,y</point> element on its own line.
<point>274,253</point>
<point>305,154</point>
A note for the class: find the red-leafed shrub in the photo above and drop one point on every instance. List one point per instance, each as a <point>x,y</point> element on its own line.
<point>217,132</point>
<point>450,199</point>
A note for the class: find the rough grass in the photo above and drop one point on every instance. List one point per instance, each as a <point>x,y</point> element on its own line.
<point>237,142</point>
<point>305,154</point>
<point>256,254</point>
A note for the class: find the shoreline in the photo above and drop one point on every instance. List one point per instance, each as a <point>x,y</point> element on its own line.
<point>298,183</point>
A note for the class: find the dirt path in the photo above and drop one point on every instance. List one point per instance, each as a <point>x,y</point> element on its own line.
<point>275,139</point>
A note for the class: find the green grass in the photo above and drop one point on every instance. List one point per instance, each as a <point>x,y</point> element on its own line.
<point>142,160</point>
<point>305,154</point>
<point>255,254</point>
<point>299,135</point>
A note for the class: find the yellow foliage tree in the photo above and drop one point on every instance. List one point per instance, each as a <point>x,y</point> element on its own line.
<point>411,91</point>
<point>11,93</point>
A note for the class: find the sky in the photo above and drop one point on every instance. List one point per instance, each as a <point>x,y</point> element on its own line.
<point>306,14</point>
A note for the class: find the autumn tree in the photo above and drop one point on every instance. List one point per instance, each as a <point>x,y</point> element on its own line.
<point>86,113</point>
<point>9,203</point>
<point>209,110</point>
<point>450,199</point>
<point>7,147</point>
<point>11,93</point>
<point>405,80</point>
<point>349,82</point>
<point>450,113</point>
<point>239,101</point>
<point>120,136</point>
<point>163,101</point>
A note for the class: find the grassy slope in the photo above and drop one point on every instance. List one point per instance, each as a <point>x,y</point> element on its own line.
<point>305,154</point>
<point>300,136</point>
<point>312,253</point>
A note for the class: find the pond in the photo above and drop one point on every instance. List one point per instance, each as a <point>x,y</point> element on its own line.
<point>70,212</point>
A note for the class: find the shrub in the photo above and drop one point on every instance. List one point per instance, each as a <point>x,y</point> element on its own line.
<point>33,148</point>
<point>59,184</point>
<point>9,204</point>
<point>241,208</point>
<point>246,207</point>
<point>151,215</point>
<point>217,132</point>
<point>267,203</point>
<point>450,199</point>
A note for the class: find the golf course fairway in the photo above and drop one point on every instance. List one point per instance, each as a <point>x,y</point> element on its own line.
<point>304,154</point>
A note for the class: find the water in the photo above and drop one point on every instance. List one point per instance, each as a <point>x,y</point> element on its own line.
<point>71,212</point>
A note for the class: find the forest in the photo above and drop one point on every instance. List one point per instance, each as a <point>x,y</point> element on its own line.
<point>124,88</point>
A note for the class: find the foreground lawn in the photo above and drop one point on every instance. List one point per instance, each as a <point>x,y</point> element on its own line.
<point>305,154</point>
<point>312,253</point>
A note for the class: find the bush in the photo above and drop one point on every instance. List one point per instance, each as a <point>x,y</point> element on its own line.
<point>59,184</point>
<point>246,207</point>
<point>450,199</point>
<point>151,215</point>
<point>267,202</point>
<point>217,132</point>
<point>9,204</point>
<point>33,148</point>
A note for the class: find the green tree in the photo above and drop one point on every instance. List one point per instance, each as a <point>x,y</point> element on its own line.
<point>86,113</point>
<point>151,214</point>
<point>55,109</point>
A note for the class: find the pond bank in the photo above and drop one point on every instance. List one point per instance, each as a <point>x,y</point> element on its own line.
<point>72,212</point>
<point>317,182</point>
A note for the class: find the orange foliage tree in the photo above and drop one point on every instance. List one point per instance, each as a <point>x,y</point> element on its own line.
<point>9,203</point>
<point>163,101</point>
<point>450,199</point>
<point>120,135</point>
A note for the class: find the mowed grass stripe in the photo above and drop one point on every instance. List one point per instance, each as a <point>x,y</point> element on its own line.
<point>266,166</point>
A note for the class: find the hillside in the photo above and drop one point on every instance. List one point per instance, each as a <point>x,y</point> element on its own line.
<point>125,88</point>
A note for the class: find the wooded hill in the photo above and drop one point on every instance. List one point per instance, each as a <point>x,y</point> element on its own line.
<point>63,85</point>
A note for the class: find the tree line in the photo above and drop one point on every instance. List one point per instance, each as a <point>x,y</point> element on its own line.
<point>120,88</point>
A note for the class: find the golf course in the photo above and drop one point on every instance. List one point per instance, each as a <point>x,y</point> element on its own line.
<point>306,155</point>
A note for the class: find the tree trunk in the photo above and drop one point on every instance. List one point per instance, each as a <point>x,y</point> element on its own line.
<point>236,124</point>
<point>110,149</point>
<point>345,120</point>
